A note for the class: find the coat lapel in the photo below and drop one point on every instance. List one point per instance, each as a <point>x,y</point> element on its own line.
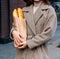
<point>29,18</point>
<point>38,14</point>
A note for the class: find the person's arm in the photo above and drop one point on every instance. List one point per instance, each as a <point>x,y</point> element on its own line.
<point>48,31</point>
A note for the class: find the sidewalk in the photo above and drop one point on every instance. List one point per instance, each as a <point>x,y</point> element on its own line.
<point>54,51</point>
<point>7,51</point>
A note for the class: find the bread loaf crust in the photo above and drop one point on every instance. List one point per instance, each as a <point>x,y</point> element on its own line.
<point>19,22</point>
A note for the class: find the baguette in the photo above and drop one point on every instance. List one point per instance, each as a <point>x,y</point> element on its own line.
<point>19,22</point>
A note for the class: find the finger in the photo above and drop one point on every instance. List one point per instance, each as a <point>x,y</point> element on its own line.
<point>21,47</point>
<point>17,39</point>
<point>15,44</point>
<point>20,36</point>
<point>21,39</point>
<point>21,43</point>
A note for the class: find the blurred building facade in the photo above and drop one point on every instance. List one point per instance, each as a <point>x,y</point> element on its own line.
<point>7,7</point>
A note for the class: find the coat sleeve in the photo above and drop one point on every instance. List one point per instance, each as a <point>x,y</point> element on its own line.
<point>48,31</point>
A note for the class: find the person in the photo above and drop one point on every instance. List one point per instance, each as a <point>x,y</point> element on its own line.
<point>41,23</point>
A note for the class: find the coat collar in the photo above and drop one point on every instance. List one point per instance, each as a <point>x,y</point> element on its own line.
<point>30,17</point>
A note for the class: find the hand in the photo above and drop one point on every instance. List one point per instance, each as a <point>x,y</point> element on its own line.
<point>22,45</point>
<point>17,38</point>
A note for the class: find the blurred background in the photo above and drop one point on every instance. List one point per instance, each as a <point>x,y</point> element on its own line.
<point>7,50</point>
